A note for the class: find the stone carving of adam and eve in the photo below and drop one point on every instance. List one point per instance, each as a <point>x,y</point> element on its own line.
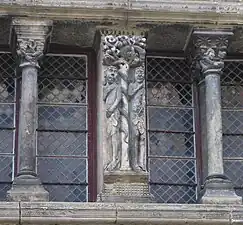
<point>124,97</point>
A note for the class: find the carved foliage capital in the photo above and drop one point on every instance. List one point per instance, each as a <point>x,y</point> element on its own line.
<point>30,51</point>
<point>124,48</point>
<point>210,50</point>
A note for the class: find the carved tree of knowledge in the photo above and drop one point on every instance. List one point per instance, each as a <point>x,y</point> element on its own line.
<point>124,97</point>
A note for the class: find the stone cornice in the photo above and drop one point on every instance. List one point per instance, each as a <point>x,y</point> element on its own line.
<point>118,213</point>
<point>166,11</point>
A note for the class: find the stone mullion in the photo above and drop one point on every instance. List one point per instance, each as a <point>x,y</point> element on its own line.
<point>31,36</point>
<point>211,47</point>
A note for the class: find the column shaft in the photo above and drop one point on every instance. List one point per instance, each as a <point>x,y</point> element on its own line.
<point>28,118</point>
<point>214,124</point>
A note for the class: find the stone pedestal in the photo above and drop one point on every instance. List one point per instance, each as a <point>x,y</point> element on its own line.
<point>219,190</point>
<point>126,186</point>
<point>27,188</point>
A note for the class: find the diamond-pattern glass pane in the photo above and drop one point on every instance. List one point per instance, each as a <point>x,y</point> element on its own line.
<point>173,194</point>
<point>233,73</point>
<point>233,169</point>
<point>170,119</point>
<point>172,171</point>
<point>61,144</point>
<point>7,90</point>
<point>232,121</point>
<point>6,115</point>
<point>62,117</point>
<point>7,65</point>
<point>169,94</point>
<point>58,66</point>
<point>232,96</point>
<point>62,91</point>
<point>233,146</point>
<point>6,163</point>
<point>62,170</point>
<point>67,193</point>
<point>171,144</point>
<point>6,141</point>
<point>165,69</point>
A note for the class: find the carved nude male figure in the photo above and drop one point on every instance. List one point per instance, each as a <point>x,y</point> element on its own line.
<point>112,97</point>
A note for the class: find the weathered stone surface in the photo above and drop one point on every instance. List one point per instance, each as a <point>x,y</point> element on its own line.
<point>168,37</point>
<point>119,213</point>
<point>202,12</point>
<point>123,186</point>
<point>75,33</point>
<point>171,214</point>
<point>9,213</point>
<point>59,213</point>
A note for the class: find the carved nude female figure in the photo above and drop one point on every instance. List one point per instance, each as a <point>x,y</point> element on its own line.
<point>136,93</point>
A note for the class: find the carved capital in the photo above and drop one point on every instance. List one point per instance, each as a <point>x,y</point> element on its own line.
<point>211,49</point>
<point>31,37</point>
<point>126,49</point>
<point>30,51</point>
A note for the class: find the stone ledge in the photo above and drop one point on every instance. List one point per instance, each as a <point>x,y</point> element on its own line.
<point>118,213</point>
<point>201,12</point>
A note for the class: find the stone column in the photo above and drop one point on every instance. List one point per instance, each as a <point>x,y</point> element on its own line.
<point>31,36</point>
<point>211,49</point>
<point>125,171</point>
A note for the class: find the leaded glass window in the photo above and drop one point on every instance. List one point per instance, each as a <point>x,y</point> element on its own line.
<point>62,139</point>
<point>7,121</point>
<point>171,131</point>
<point>232,114</point>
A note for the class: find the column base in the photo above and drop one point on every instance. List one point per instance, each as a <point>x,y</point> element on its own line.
<point>27,188</point>
<point>218,189</point>
<point>125,186</point>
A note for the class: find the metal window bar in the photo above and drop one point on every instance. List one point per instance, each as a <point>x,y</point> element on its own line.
<point>171,132</point>
<point>232,112</point>
<point>7,121</point>
<point>62,138</point>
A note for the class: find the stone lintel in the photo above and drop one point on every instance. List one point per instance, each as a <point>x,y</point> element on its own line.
<point>118,213</point>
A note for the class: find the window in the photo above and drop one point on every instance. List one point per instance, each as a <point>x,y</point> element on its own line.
<point>171,114</point>
<point>232,114</point>
<point>65,133</point>
<point>8,84</point>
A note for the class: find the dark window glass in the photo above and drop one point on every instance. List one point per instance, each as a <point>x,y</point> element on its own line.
<point>171,132</point>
